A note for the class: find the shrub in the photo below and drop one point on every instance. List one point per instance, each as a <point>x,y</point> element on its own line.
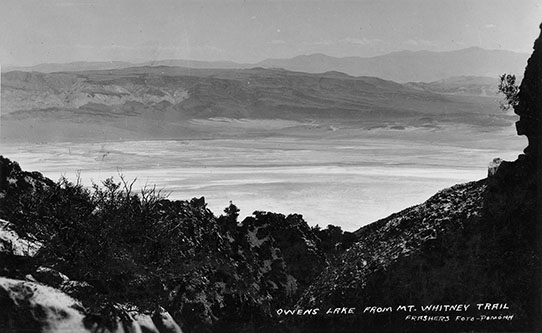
<point>510,89</point>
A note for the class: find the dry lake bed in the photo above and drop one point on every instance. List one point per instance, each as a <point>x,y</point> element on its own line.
<point>348,179</point>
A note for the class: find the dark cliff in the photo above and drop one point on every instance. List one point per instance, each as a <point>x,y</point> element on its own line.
<point>530,101</point>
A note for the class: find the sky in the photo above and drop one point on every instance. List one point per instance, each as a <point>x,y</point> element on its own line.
<point>56,31</point>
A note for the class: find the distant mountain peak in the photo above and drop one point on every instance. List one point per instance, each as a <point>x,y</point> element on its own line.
<point>400,66</point>
<point>411,66</point>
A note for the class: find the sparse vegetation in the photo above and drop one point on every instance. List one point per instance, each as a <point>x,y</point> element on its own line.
<point>334,240</point>
<point>128,245</point>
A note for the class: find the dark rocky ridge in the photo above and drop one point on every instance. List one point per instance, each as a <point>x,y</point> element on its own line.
<point>530,101</point>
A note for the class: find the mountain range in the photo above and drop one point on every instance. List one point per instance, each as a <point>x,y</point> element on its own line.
<point>403,66</point>
<point>164,102</point>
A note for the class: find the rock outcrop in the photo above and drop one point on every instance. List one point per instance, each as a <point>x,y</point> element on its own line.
<point>30,306</point>
<point>13,244</point>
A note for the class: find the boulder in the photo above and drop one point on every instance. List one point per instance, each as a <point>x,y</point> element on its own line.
<point>50,276</point>
<point>12,243</point>
<point>29,306</point>
<point>33,307</point>
<point>493,166</point>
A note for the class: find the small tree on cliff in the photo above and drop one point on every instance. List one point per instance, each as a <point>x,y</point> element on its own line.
<point>510,89</point>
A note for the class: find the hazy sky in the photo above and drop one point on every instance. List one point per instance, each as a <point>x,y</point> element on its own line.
<point>38,31</point>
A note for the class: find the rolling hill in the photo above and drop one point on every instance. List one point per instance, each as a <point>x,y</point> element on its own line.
<point>163,102</point>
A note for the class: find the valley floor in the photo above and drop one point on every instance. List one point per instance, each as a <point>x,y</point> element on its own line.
<point>346,177</point>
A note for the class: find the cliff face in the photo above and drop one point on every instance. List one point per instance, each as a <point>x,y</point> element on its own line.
<point>530,101</point>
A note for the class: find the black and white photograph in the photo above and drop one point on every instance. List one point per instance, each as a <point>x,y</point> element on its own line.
<point>270,166</point>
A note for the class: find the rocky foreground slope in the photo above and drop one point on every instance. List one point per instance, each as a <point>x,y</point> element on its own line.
<point>108,259</point>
